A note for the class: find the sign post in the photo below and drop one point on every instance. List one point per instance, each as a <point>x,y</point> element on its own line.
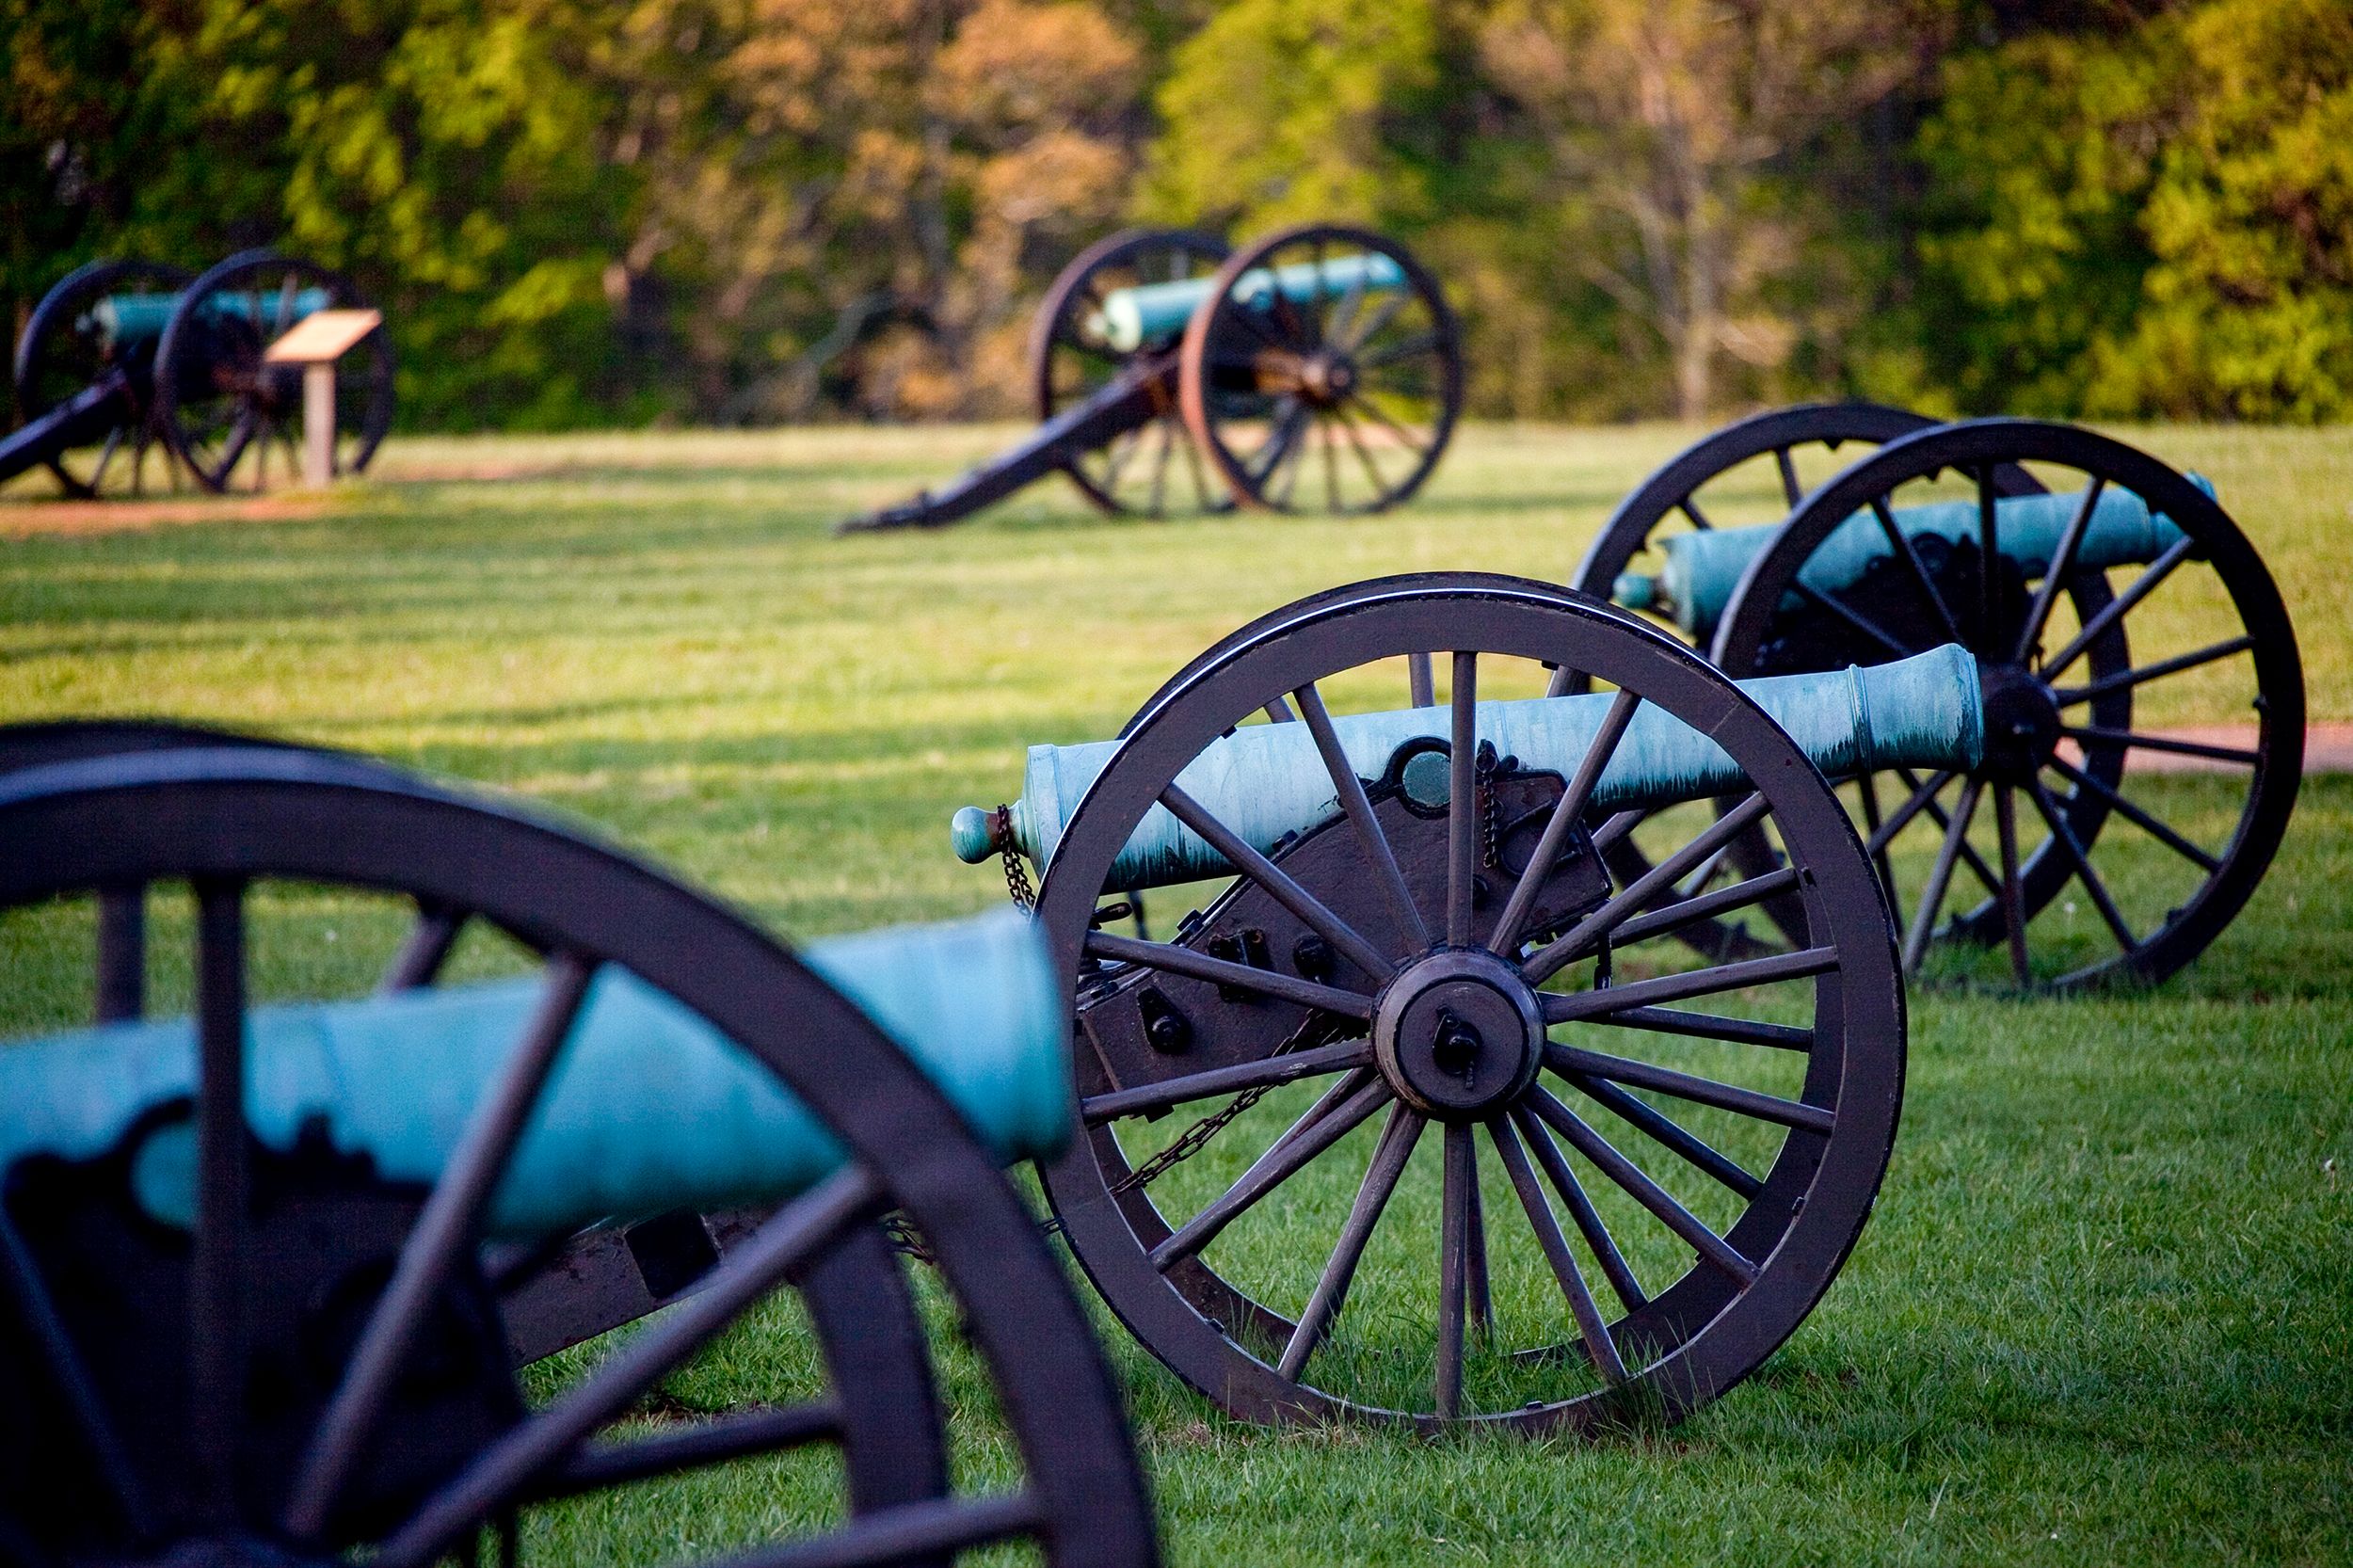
<point>315,343</point>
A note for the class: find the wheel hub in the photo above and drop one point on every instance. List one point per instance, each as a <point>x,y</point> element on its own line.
<point>1327,378</point>
<point>2021,721</point>
<point>1458,1034</point>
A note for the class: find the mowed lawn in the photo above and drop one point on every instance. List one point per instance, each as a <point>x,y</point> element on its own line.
<point>2104,1311</point>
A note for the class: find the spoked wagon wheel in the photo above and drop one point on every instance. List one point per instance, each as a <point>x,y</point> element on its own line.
<point>1325,370</point>
<point>1074,353</point>
<point>220,406</point>
<point>305,1363</point>
<point>1666,1190</point>
<point>1750,473</point>
<point>71,344</point>
<point>2106,670</point>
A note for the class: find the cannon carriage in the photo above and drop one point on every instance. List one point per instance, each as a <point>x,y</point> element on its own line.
<point>1408,937</point>
<point>125,361</point>
<point>2124,612</point>
<point>262,1223</point>
<point>1320,367</point>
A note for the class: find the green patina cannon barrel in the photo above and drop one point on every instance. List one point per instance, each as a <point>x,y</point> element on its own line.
<point>1152,313</point>
<point>1702,568</point>
<point>136,317</point>
<point>1266,781</point>
<point>649,1109</point>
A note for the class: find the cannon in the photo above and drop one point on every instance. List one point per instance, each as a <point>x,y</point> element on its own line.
<point>258,1244</point>
<point>2115,609</point>
<point>1319,348</point>
<point>1406,921</point>
<point>121,358</point>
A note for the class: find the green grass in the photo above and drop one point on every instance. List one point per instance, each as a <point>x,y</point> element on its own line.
<point>2105,1312</point>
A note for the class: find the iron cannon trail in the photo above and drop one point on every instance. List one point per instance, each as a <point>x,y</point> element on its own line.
<point>1317,367</point>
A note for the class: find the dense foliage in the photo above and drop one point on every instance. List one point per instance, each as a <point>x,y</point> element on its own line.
<point>584,210</point>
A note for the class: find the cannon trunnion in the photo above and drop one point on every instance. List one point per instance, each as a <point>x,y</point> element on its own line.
<point>1320,367</point>
<point>257,1262</point>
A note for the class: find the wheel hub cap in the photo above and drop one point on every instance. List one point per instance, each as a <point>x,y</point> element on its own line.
<point>2022,722</point>
<point>1458,1034</point>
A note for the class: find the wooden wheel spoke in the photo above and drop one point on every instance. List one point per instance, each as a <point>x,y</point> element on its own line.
<point>1921,797</point>
<point>2089,736</point>
<point>1422,680</point>
<point>121,980</point>
<point>1596,1006</point>
<point>1985,874</point>
<point>1940,875</point>
<point>425,950</point>
<point>1566,813</point>
<point>1462,813</point>
<point>2073,697</point>
<point>1413,443</point>
<point>2062,567</point>
<point>1586,1218</point>
<point>2014,893</point>
<point>501,1473</point>
<point>449,1226</point>
<point>1147,1099</point>
<point>1867,797</point>
<point>1389,1157</point>
<point>713,1441</point>
<point>1278,883</point>
<point>1578,1065</point>
<point>1364,454</point>
<point>2118,608</point>
<point>1989,553</point>
<point>1404,348</point>
<point>1637,895</point>
<point>1378,322</point>
<point>1671,1135</point>
<point>2138,816</point>
<point>1582,1308</point>
<point>1460,1180</point>
<point>1791,492</point>
<point>216,1391</point>
<point>1854,619</point>
<point>1723,901</point>
<point>1357,807</point>
<point>21,1284</point>
<point>1643,1190</point>
<point>1900,543</point>
<point>2101,899</point>
<point>1690,509</point>
<point>1276,1166</point>
<point>1707,1026</point>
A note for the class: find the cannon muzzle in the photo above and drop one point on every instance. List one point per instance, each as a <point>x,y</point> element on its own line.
<point>1267,781</point>
<point>649,1109</point>
<point>1697,579</point>
<point>1157,312</point>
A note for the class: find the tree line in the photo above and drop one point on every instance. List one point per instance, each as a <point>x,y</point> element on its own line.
<point>746,211</point>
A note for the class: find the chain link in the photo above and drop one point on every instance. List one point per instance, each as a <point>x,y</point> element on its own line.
<point>1196,1137</point>
<point>1484,767</point>
<point>1017,874</point>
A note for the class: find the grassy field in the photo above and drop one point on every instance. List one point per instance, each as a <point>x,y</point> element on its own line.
<point>2105,1312</point>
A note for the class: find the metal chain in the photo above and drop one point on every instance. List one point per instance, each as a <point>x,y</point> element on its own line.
<point>1196,1137</point>
<point>1017,874</point>
<point>1484,767</point>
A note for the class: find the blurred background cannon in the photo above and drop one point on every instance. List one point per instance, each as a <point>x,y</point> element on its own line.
<point>125,361</point>
<point>259,1250</point>
<point>2100,592</point>
<point>1320,367</point>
